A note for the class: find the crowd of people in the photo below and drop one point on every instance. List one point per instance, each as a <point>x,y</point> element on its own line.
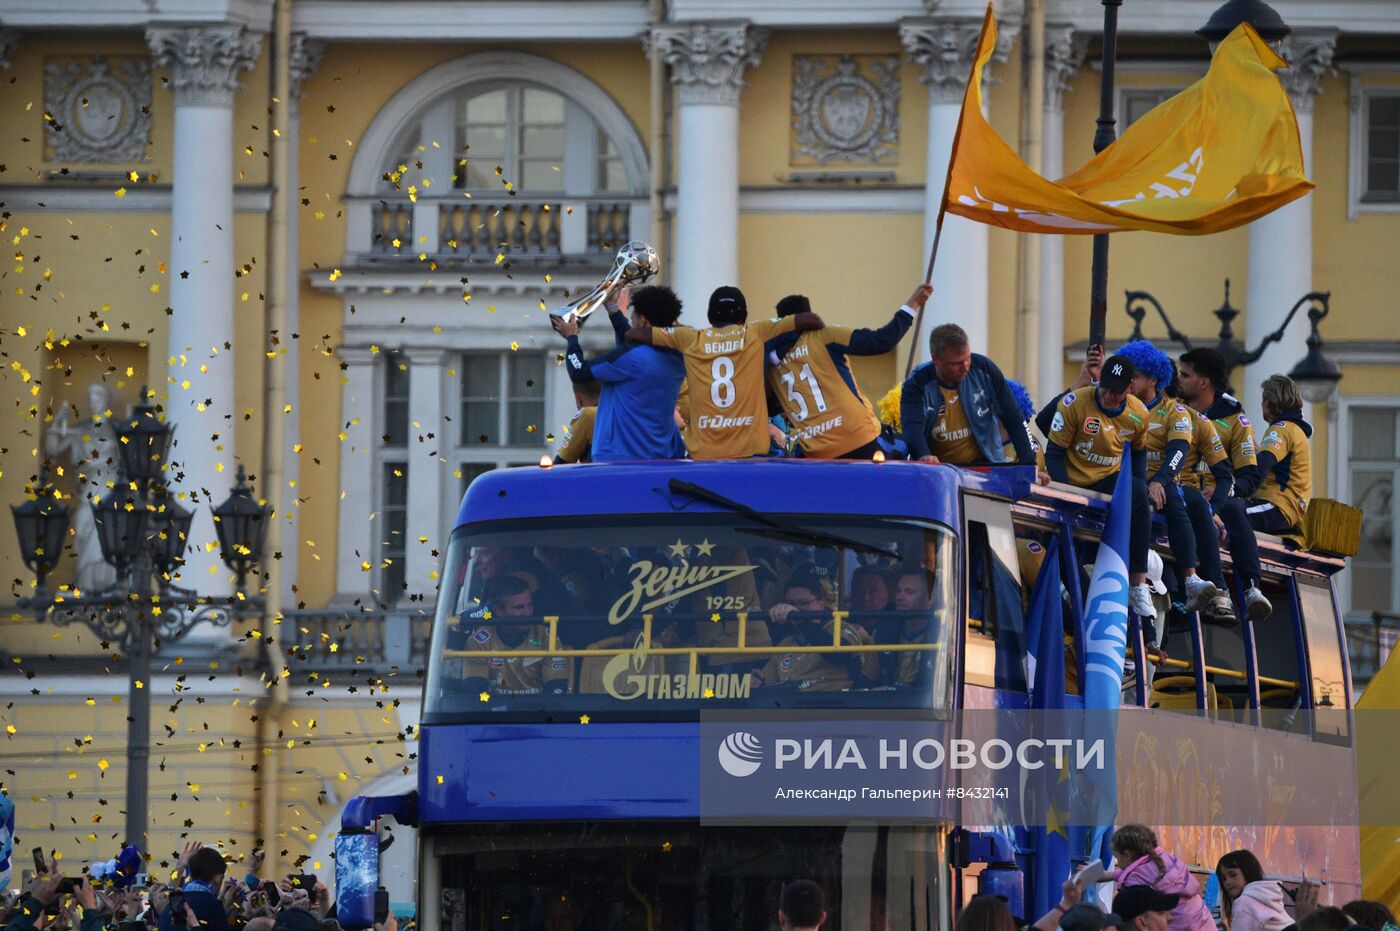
<point>784,386</point>
<point>1154,890</point>
<point>202,893</point>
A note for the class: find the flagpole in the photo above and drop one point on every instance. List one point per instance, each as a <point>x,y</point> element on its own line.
<point>1103,138</point>
<point>943,203</point>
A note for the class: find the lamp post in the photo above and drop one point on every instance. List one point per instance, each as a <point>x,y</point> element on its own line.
<point>143,532</point>
<point>1316,374</point>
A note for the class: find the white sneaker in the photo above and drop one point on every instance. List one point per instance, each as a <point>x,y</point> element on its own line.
<point>1256,606</point>
<point>1198,592</point>
<point>1140,601</point>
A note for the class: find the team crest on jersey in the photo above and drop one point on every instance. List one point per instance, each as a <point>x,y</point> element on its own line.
<point>1033,547</point>
<point>1092,426</point>
<point>1069,399</point>
<point>1244,421</point>
<point>1058,423</point>
<point>786,664</point>
<point>482,635</point>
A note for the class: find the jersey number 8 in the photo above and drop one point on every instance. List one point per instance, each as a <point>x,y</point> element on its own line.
<point>722,382</point>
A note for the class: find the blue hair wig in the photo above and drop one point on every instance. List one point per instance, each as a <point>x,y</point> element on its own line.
<point>1023,398</point>
<point>1149,360</point>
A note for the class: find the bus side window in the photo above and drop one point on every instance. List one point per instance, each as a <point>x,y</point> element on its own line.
<point>1327,677</point>
<point>1227,676</point>
<point>995,644</point>
<point>1033,545</point>
<point>1276,643</point>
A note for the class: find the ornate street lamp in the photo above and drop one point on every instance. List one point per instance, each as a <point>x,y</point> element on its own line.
<point>143,440</point>
<point>143,532</point>
<point>170,533</point>
<point>1316,374</point>
<point>1264,18</point>
<point>41,524</point>
<point>121,517</point>
<point>241,523</point>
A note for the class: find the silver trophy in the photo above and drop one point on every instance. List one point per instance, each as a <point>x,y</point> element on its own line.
<point>636,263</point>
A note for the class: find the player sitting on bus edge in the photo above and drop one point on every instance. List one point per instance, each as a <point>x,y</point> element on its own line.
<point>1171,432</point>
<point>802,671</point>
<point>812,382</point>
<point>1202,381</point>
<point>1285,461</point>
<point>637,404</point>
<point>578,433</point>
<point>510,596</point>
<point>1087,435</point>
<point>724,371</point>
<point>953,408</point>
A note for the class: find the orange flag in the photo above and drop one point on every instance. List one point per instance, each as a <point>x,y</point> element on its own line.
<point>1219,154</point>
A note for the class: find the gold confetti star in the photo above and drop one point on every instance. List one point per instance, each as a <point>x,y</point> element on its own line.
<point>485,696</point>
<point>584,719</point>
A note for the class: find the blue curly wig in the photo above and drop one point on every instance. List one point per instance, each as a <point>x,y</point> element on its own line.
<point>1023,398</point>
<point>1149,360</point>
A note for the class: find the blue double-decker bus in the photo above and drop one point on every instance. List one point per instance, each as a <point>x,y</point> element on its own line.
<point>589,616</point>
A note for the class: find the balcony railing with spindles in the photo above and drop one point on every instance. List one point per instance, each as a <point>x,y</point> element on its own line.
<point>478,229</point>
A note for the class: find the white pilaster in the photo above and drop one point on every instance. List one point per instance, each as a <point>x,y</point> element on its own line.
<point>1064,54</point>
<point>945,48</point>
<point>359,412</point>
<point>305,59</point>
<point>707,63</point>
<point>1280,244</point>
<point>204,63</point>
<point>427,385</point>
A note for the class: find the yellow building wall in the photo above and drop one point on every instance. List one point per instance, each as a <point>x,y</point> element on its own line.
<point>67,754</point>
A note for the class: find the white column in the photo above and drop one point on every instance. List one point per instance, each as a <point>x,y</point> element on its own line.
<point>1064,54</point>
<point>945,47</point>
<point>426,393</point>
<point>305,58</point>
<point>1280,244</point>
<point>707,62</point>
<point>204,63</point>
<point>359,413</point>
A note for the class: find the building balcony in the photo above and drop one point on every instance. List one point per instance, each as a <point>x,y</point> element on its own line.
<point>479,230</point>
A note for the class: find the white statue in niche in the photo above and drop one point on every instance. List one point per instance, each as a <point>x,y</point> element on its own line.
<point>91,446</point>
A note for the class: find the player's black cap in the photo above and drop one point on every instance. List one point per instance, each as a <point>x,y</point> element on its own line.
<point>1117,373</point>
<point>727,304</point>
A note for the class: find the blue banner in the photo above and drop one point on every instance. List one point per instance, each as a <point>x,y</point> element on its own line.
<point>1050,841</point>
<point>1106,638</point>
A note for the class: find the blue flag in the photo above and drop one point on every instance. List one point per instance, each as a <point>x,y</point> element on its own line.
<point>1106,647</point>
<point>7,839</point>
<point>1050,837</point>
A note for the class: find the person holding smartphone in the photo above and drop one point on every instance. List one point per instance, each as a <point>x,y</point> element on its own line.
<point>205,868</point>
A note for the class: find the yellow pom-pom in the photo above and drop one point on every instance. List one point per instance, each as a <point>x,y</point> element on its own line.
<point>889,407</point>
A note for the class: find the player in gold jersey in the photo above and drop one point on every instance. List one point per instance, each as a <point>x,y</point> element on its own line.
<point>1171,432</point>
<point>1088,433</point>
<point>812,383</point>
<point>724,372</point>
<point>1203,383</point>
<point>511,596</point>
<point>1285,461</point>
<point>578,435</point>
<point>804,671</point>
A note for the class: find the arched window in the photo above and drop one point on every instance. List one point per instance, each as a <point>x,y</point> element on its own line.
<point>498,152</point>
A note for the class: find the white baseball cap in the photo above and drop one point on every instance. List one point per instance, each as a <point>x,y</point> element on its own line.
<point>1154,572</point>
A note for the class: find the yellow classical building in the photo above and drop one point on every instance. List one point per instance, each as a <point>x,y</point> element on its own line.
<point>452,169</point>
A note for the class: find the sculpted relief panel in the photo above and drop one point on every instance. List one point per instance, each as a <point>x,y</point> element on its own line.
<point>845,108</point>
<point>97,109</point>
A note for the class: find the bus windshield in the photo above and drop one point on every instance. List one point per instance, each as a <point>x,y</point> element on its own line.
<point>641,616</point>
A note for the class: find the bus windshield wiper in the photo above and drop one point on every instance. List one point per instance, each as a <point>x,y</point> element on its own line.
<point>789,531</point>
